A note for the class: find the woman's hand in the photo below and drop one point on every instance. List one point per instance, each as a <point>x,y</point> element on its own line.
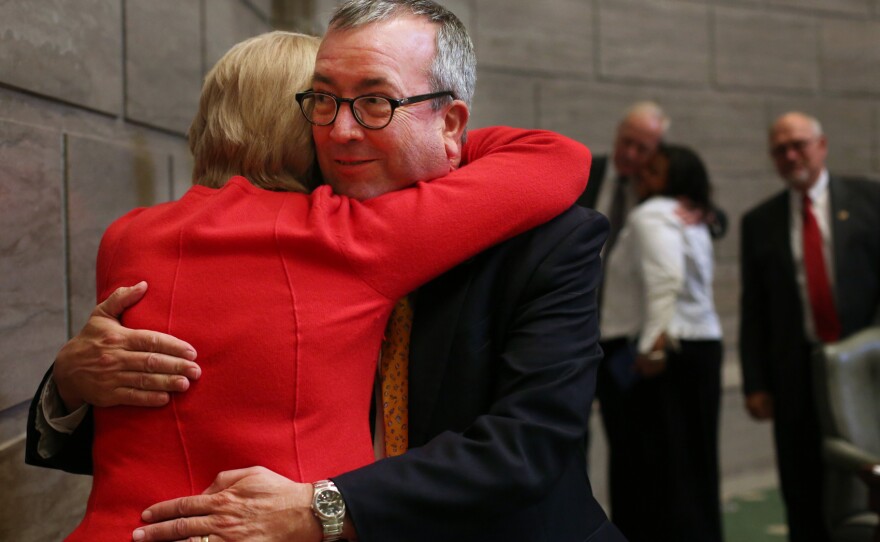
<point>654,362</point>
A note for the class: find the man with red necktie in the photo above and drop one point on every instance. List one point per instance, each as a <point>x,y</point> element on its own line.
<point>810,275</point>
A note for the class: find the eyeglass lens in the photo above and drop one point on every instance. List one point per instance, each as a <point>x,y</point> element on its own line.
<point>797,145</point>
<point>371,111</point>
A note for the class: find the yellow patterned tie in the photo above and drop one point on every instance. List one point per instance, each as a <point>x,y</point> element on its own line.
<point>394,369</point>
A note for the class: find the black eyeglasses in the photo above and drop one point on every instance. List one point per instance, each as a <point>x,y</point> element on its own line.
<point>370,111</point>
<point>797,145</point>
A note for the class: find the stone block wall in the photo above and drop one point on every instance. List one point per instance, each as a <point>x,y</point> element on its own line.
<point>723,70</point>
<point>95,100</point>
<point>96,96</point>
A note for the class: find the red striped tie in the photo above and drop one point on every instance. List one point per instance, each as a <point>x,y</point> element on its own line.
<point>818,286</point>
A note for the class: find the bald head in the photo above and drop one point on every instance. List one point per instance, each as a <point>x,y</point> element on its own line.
<point>638,135</point>
<point>798,149</point>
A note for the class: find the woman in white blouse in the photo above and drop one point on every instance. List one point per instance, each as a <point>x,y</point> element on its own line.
<point>658,293</point>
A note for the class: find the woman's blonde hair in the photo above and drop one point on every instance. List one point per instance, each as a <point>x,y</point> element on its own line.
<point>248,121</point>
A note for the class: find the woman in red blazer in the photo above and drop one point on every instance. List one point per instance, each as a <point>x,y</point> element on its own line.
<point>285,294</point>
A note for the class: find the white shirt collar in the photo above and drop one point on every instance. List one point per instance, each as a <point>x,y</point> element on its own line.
<point>819,188</point>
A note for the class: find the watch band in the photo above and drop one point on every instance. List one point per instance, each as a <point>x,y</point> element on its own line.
<point>330,525</point>
<point>332,530</point>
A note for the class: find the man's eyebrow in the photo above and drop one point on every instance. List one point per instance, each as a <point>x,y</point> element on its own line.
<point>321,78</point>
<point>373,82</point>
<point>365,85</point>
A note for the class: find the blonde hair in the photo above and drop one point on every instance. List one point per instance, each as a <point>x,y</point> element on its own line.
<point>248,121</point>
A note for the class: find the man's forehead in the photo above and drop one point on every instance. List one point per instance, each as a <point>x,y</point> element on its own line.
<point>376,54</point>
<point>642,134</point>
<point>644,124</point>
<point>793,124</point>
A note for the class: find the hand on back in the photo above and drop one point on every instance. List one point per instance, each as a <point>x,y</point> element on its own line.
<point>107,364</point>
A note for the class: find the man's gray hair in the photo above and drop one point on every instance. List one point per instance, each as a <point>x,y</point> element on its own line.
<point>455,65</point>
<point>814,123</point>
<point>651,110</point>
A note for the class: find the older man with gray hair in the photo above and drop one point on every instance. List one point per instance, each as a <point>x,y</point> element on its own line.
<point>810,275</point>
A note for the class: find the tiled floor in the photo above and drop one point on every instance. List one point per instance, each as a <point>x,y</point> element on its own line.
<point>756,516</point>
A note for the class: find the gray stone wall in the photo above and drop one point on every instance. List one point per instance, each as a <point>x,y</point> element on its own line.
<point>723,69</point>
<point>96,95</point>
<point>95,100</point>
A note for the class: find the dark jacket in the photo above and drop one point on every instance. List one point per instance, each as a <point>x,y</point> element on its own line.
<point>503,368</point>
<point>773,344</point>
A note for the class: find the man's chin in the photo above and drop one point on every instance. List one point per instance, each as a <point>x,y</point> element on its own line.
<point>799,180</point>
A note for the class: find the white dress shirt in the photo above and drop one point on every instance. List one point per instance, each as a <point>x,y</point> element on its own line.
<point>821,200</point>
<point>659,279</point>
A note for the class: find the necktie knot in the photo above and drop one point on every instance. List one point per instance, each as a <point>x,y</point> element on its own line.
<point>808,203</point>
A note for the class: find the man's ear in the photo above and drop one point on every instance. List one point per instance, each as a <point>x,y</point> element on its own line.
<point>454,123</point>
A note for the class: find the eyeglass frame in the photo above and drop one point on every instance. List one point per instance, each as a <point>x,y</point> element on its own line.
<point>780,150</point>
<point>395,103</point>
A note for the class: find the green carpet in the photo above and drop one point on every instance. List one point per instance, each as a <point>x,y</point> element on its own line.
<point>755,517</point>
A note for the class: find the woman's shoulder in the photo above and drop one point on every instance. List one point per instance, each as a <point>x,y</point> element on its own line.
<point>655,208</point>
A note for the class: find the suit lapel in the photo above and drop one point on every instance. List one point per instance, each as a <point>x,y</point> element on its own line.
<point>779,235</point>
<point>781,232</point>
<point>597,175</point>
<point>438,307</point>
<point>841,230</point>
<point>840,217</point>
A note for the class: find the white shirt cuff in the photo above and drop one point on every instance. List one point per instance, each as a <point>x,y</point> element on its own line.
<point>55,413</point>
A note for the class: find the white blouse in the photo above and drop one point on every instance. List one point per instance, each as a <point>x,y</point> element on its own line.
<point>659,278</point>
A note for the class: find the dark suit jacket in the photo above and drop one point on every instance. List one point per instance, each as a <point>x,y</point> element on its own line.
<point>597,176</point>
<point>773,345</point>
<point>502,373</point>
<point>503,367</point>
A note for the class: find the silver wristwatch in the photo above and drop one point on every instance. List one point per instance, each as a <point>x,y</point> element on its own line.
<point>329,508</point>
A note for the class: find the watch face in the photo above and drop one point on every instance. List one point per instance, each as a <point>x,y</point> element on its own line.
<point>329,503</point>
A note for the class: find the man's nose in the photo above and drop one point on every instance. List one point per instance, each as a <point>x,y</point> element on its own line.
<point>631,153</point>
<point>346,127</point>
<point>791,154</point>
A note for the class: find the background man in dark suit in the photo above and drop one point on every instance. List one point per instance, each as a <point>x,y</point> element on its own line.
<point>810,275</point>
<point>503,359</point>
<point>639,133</point>
<point>612,191</point>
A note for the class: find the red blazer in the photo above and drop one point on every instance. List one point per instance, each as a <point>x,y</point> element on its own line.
<point>285,297</point>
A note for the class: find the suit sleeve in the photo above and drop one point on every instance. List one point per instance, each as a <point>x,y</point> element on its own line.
<point>75,450</point>
<point>511,456</point>
<point>754,340</point>
<point>660,243</point>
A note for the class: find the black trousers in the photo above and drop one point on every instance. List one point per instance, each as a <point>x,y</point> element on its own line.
<point>663,438</point>
<point>798,441</point>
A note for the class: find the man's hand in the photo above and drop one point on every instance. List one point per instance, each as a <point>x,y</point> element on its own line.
<point>108,365</point>
<point>253,504</point>
<point>760,405</point>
